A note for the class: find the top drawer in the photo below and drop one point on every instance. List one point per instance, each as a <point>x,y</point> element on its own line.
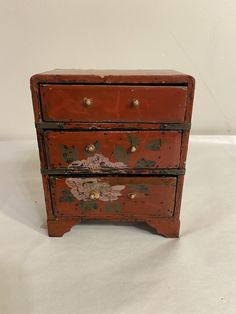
<point>101,103</point>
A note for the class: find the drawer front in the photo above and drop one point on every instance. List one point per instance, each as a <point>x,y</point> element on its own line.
<point>102,197</point>
<point>97,150</point>
<point>113,103</point>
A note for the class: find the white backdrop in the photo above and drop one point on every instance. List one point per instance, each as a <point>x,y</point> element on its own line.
<point>108,268</point>
<point>197,37</point>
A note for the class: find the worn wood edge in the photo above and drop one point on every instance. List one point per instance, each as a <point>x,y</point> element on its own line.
<point>178,197</point>
<point>184,148</point>
<point>131,77</point>
<point>167,228</point>
<point>190,99</point>
<point>47,196</point>
<point>35,95</point>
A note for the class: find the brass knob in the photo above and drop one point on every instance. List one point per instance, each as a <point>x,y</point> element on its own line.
<point>90,148</point>
<point>135,102</point>
<point>131,196</point>
<point>94,195</point>
<point>87,102</point>
<point>133,149</point>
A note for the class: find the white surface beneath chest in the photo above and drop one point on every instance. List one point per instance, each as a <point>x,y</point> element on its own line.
<point>115,268</point>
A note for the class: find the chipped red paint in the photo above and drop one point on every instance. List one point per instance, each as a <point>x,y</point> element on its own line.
<point>116,146</point>
<point>66,103</point>
<point>156,200</point>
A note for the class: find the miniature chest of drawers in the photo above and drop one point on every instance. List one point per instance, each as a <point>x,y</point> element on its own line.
<point>113,145</point>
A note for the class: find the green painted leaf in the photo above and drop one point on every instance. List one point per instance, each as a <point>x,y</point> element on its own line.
<point>142,163</point>
<point>113,206</point>
<point>121,154</point>
<point>134,141</point>
<point>66,197</point>
<point>97,145</point>
<point>88,205</point>
<point>153,144</point>
<point>138,187</point>
<point>69,154</point>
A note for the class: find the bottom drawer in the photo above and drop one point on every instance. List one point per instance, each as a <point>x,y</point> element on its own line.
<point>101,197</point>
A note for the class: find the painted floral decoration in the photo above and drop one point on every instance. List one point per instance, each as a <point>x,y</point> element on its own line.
<point>82,187</point>
<point>97,161</point>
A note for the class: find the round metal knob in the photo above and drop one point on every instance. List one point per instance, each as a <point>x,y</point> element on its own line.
<point>135,102</point>
<point>131,196</point>
<point>133,149</point>
<point>94,195</point>
<point>90,148</point>
<point>87,102</point>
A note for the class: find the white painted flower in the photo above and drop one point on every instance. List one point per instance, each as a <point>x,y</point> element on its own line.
<point>82,187</point>
<point>97,161</point>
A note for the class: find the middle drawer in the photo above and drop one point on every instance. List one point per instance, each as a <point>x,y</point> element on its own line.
<point>97,150</point>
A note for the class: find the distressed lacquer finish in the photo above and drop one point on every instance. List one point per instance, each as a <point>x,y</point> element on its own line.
<point>113,149</point>
<point>113,145</point>
<point>116,103</point>
<point>152,197</point>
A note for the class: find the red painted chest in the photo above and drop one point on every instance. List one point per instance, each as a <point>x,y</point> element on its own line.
<point>113,145</point>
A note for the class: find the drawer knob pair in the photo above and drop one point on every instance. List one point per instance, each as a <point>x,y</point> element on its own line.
<point>91,148</point>
<point>88,102</point>
<point>94,195</point>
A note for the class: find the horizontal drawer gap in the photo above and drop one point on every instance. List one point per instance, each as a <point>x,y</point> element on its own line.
<point>143,172</point>
<point>110,130</point>
<point>97,127</point>
<point>111,175</point>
